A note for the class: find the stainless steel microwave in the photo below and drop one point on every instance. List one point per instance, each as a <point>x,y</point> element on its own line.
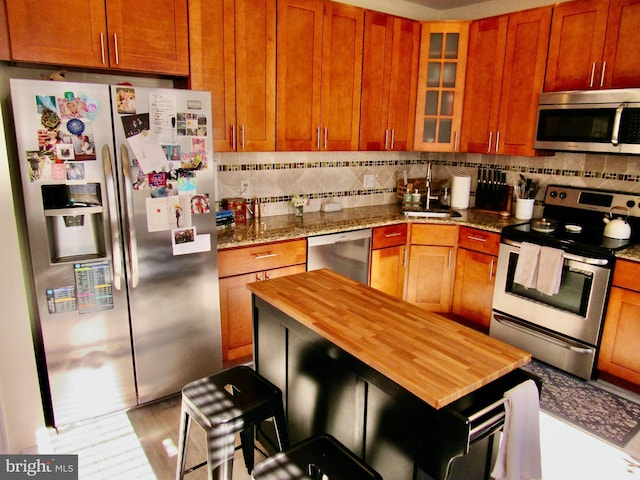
<point>604,121</point>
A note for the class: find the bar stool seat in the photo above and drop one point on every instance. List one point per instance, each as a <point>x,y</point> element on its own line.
<point>320,457</point>
<point>223,405</point>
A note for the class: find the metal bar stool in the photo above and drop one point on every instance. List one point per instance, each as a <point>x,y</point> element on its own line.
<point>320,457</point>
<point>230,402</point>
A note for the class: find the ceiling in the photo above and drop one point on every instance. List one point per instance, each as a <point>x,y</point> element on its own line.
<point>445,4</point>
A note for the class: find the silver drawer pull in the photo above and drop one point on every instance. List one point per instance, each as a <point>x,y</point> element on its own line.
<point>395,234</point>
<point>479,239</point>
<point>264,255</point>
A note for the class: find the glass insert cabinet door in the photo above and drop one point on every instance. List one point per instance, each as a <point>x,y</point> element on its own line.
<point>441,75</point>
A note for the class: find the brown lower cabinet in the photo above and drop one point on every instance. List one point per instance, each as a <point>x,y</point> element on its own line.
<point>475,275</point>
<point>621,335</point>
<point>432,251</point>
<point>389,259</point>
<point>239,266</point>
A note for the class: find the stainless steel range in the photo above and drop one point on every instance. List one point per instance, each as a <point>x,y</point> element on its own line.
<point>553,276</point>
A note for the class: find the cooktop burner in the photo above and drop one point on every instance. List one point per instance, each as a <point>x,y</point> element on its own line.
<point>573,220</point>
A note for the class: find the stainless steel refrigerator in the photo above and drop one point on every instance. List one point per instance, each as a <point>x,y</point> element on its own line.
<point>117,183</point>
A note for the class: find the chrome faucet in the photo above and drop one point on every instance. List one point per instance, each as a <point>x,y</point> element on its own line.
<point>429,196</point>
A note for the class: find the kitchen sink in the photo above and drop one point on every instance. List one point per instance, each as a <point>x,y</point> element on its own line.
<point>434,213</point>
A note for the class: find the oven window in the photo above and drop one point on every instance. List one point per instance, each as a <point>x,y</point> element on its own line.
<point>574,289</point>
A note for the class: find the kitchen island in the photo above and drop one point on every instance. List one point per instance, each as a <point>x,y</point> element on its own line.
<point>398,385</point>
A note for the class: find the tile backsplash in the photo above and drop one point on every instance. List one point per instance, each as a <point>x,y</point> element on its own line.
<point>319,177</point>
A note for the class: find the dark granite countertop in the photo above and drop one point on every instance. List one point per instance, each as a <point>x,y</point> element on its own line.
<point>287,227</point>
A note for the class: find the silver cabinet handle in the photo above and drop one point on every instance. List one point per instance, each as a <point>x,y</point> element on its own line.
<point>116,252</point>
<point>477,239</point>
<point>318,138</point>
<point>593,72</point>
<point>450,254</point>
<point>604,68</point>
<point>393,138</point>
<point>455,141</point>
<point>242,142</point>
<point>386,138</point>
<point>326,137</point>
<point>233,137</point>
<point>394,234</point>
<point>491,269</point>
<point>102,47</point>
<point>115,43</point>
<point>497,140</point>
<point>130,226</point>
<point>259,256</point>
<point>489,143</point>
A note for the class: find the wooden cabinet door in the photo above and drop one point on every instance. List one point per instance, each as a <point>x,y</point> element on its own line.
<point>441,74</point>
<point>5,50</point>
<point>403,83</point>
<point>430,277</point>
<point>576,45</point>
<point>389,74</point>
<point>387,270</point>
<point>236,312</point>
<point>473,286</point>
<point>376,77</point>
<point>149,36</point>
<point>69,32</point>
<point>232,55</point>
<point>487,41</point>
<point>522,80</point>
<point>622,69</point>
<point>213,64</point>
<point>299,60</point>
<point>341,76</point>
<point>621,336</point>
<point>256,75</point>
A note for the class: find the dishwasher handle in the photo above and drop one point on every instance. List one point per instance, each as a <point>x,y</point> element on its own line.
<point>335,238</point>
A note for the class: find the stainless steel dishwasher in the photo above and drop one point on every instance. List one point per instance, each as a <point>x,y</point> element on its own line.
<point>347,253</point>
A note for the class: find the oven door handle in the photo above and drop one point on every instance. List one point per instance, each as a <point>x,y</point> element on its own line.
<point>574,347</point>
<point>568,256</point>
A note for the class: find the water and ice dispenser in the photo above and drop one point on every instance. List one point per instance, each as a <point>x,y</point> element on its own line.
<point>74,220</point>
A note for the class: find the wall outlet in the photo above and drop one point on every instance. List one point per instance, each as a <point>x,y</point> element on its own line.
<point>245,188</point>
<point>368,181</point>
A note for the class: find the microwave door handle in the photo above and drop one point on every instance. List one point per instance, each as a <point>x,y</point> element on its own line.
<point>128,212</point>
<point>615,134</point>
<point>114,229</point>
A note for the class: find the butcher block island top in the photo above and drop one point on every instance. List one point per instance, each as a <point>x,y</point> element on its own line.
<point>434,358</point>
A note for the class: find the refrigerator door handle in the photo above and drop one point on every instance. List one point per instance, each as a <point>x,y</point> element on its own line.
<point>112,209</point>
<point>128,211</point>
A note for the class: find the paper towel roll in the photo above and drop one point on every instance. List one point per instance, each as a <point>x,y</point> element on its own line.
<point>460,191</point>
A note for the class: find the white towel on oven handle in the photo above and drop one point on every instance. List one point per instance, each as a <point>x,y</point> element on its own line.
<point>519,456</point>
<point>550,264</point>
<point>526,273</point>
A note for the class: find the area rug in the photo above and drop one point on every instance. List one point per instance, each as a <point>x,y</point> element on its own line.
<point>597,411</point>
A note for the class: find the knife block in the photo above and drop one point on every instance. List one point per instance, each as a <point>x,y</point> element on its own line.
<point>494,198</point>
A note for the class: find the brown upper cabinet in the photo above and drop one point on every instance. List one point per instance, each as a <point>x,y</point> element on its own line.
<point>593,45</point>
<point>319,60</point>
<point>148,36</point>
<point>390,69</point>
<point>505,73</point>
<point>233,55</point>
<point>443,61</point>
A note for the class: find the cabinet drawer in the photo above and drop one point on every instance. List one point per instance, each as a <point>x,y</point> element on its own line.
<point>424,234</point>
<point>625,275</point>
<point>390,236</point>
<point>479,240</point>
<point>236,261</point>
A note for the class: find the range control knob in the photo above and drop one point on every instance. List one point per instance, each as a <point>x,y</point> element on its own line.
<point>631,203</point>
<point>553,194</point>
<point>563,195</point>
